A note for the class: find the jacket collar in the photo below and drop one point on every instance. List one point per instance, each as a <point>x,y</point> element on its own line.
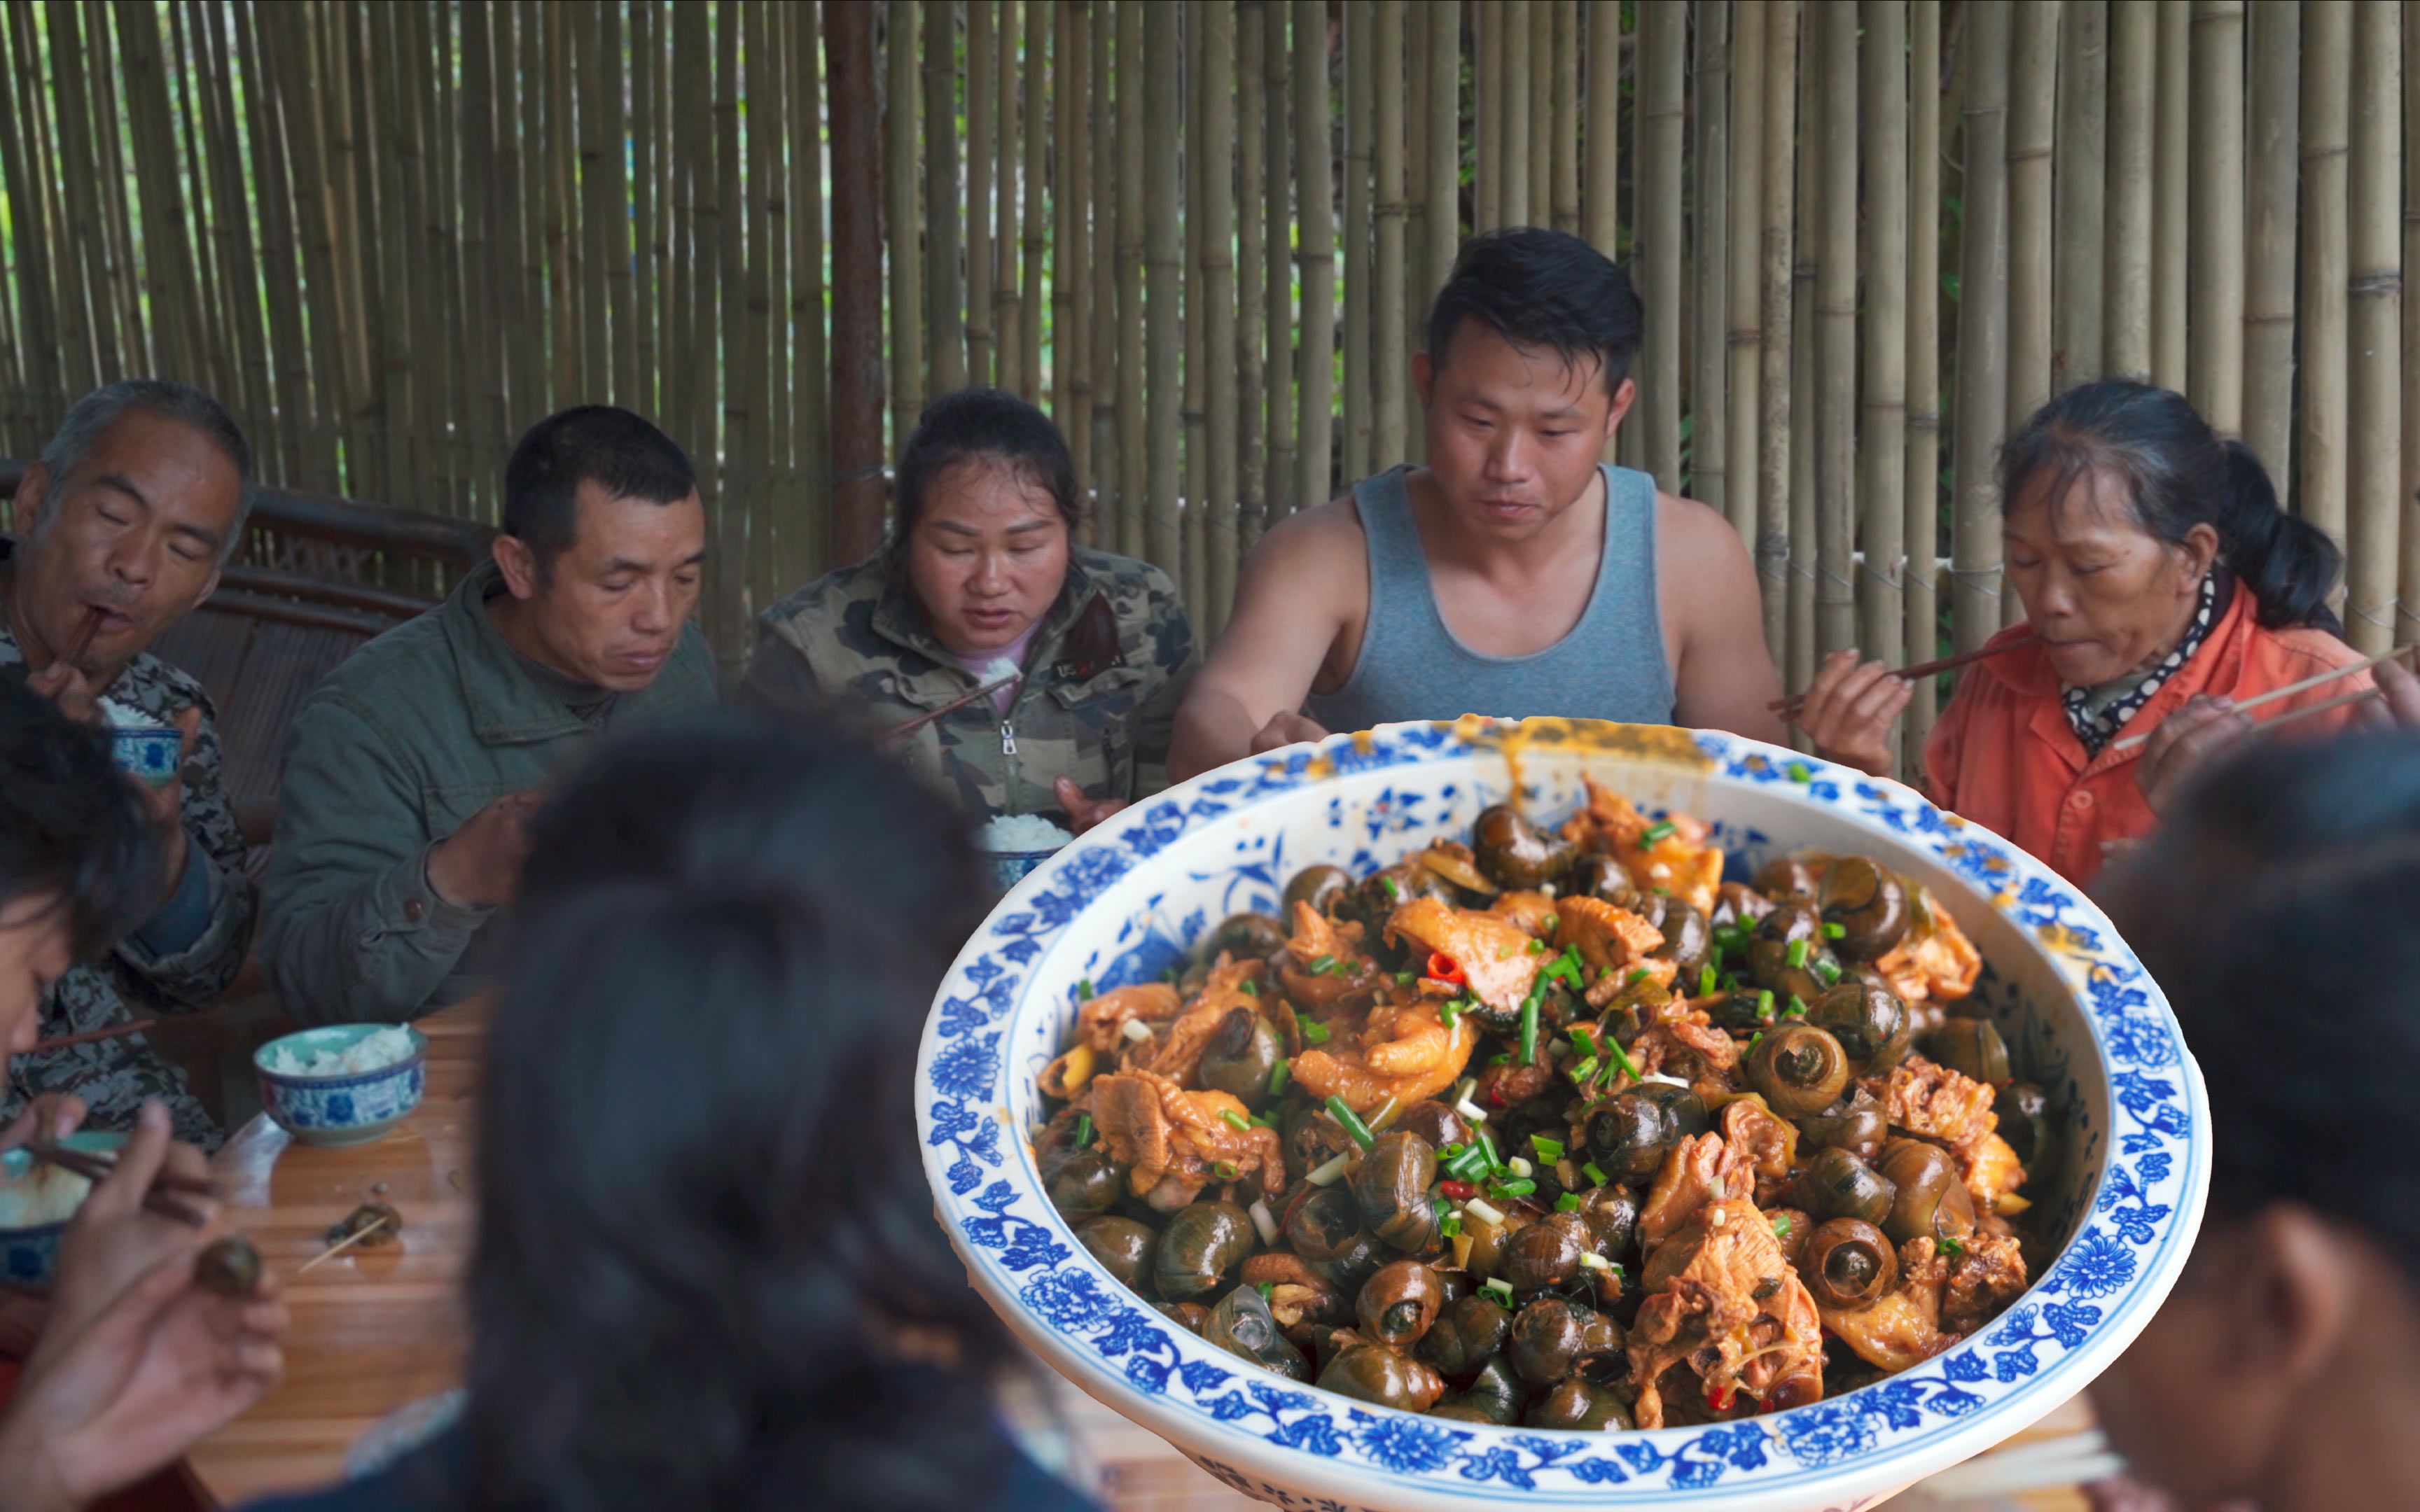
<point>898,620</point>
<point>505,705</point>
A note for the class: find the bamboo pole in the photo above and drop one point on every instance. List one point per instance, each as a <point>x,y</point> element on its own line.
<point>621,293</point>
<point>2081,177</point>
<point>1070,190</point>
<point>1101,259</point>
<point>1165,268</point>
<point>1443,162</point>
<point>2375,413</point>
<point>1195,580</point>
<point>1216,76</point>
<point>92,348</point>
<point>2214,366</point>
<point>806,555</point>
<point>856,384</point>
<point>21,171</point>
<point>1513,115</point>
<point>1744,351</point>
<point>1982,327</point>
<point>695,220</point>
<point>1487,128</point>
<point>481,248</point>
<point>283,46</point>
<point>1315,152</point>
<point>2133,92</point>
<point>305,393</point>
<point>2033,105</point>
<point>1360,140</point>
<point>759,393</point>
<point>648,57</point>
<point>902,156</point>
<point>1565,129</point>
<point>1600,207</point>
<point>1039,21</point>
<point>1883,69</point>
<point>983,74</point>
<point>2171,226</point>
<point>2321,311</point>
<point>1416,112</point>
<point>1389,358</point>
<point>1836,338</point>
<point>1133,382</point>
<point>2407,607</point>
<point>1008,289</point>
<point>945,288</point>
<point>1282,497</point>
<point>1799,670</point>
<point>1711,260</point>
<point>1780,194</point>
<point>1250,208</point>
<point>1922,492</point>
<point>1665,39</point>
<point>1539,92</point>
<point>397,155</point>
<point>729,490</point>
<point>2277,29</point>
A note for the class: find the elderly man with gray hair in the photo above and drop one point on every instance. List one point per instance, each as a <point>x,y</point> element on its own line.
<point>121,529</point>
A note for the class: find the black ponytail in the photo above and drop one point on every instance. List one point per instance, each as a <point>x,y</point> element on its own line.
<point>2179,473</point>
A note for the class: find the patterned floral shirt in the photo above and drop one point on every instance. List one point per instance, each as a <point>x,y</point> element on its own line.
<point>115,1075</point>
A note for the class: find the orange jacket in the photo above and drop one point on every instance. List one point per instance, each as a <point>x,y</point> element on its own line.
<point>2005,756</point>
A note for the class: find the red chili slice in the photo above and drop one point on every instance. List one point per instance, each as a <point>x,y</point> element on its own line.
<point>1720,1397</point>
<point>1459,1191</point>
<point>1444,967</point>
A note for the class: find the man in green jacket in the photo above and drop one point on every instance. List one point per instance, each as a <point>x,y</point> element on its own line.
<point>412,767</point>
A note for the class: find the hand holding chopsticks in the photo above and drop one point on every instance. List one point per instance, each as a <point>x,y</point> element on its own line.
<point>1790,707</point>
<point>2304,685</point>
<point>97,1169</point>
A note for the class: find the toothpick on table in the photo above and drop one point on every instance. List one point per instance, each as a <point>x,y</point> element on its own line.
<point>343,1244</point>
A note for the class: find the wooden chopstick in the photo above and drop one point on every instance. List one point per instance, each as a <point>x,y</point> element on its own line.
<point>1790,706</point>
<point>157,1199</point>
<point>908,727</point>
<point>2313,681</point>
<point>114,1031</point>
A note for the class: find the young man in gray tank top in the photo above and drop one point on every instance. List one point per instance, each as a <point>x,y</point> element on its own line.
<point>1513,575</point>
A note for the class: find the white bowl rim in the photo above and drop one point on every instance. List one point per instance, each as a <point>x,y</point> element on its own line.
<point>419,1054</point>
<point>2112,1281</point>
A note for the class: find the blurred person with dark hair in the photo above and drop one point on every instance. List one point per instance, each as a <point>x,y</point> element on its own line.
<point>129,1360</point>
<point>707,1274</point>
<point>412,767</point>
<point>1515,573</point>
<point>122,526</point>
<point>2273,907</point>
<point>2164,582</point>
<point>982,584</point>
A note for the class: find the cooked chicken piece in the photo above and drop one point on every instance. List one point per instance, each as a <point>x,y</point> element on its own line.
<point>1175,1142</point>
<point>1769,1145</point>
<point>1722,1301</point>
<point>1695,1053</point>
<point>1931,1100</point>
<point>1989,1169</point>
<point>1175,1051</point>
<point>1941,967</point>
<point>1680,861</point>
<point>1987,1275</point>
<point>1533,911</point>
<point>1103,1020</point>
<point>1297,1294</point>
<point>1701,1169</point>
<point>1903,1329</point>
<point>1345,976</point>
<point>1613,945</point>
<point>1492,950</point>
<point>1402,1050</point>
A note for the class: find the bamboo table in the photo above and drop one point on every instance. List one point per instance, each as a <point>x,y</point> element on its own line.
<point>377,1328</point>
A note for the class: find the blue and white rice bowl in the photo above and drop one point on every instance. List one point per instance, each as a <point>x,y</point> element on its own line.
<point>1140,892</point>
<point>349,1108</point>
<point>29,1252</point>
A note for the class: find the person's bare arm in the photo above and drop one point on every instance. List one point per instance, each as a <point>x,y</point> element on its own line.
<point>1291,598</point>
<point>1726,676</point>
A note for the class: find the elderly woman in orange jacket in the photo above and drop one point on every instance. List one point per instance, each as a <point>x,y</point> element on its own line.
<point>2165,584</point>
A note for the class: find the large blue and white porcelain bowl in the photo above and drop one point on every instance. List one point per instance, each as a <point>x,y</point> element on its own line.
<point>1138,893</point>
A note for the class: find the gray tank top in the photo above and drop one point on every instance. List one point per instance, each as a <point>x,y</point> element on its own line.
<point>1611,665</point>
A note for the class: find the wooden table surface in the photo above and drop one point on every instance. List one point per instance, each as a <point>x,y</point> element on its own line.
<point>378,1328</point>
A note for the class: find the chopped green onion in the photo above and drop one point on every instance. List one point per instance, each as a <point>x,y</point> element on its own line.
<point>1834,931</point>
<point>1781,1226</point>
<point>1502,1058</point>
<point>1530,1031</point>
<point>1447,1013</point>
<point>1469,1165</point>
<point>1083,1129</point>
<point>1235,1120</point>
<point>1828,970</point>
<point>1596,1173</point>
<point>1730,937</point>
<point>1280,1076</point>
<point>1568,1202</point>
<point>1566,967</point>
<point>1252,987</point>
<point>1797,1009</point>
<point>1537,946</point>
<point>1950,1246</point>
<point>1451,1226</point>
<point>1487,1147</point>
<point>1548,1149</point>
<point>1657,832</point>
<point>1084,991</point>
<point>1385,1113</point>
<point>1222,1170</point>
<point>1498,1287</point>
<point>1800,773</point>
<point>1764,1003</point>
<point>1405,978</point>
<point>1261,1120</point>
<point>1443,1209</point>
<point>1630,1068</point>
<point>1519,1188</point>
<point>1585,1069</point>
<point>1639,976</point>
<point>1314,1033</point>
<point>1268,1289</point>
<point>1586,1041</point>
<point>1343,1113</point>
<point>1707,979</point>
<point>1394,889</point>
<point>1797,955</point>
<point>1322,962</point>
<point>1755,1040</point>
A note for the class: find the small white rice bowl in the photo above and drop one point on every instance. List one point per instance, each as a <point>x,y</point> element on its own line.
<point>44,1195</point>
<point>1022,834</point>
<point>375,1050</point>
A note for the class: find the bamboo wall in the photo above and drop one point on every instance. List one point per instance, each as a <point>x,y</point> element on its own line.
<point>1202,234</point>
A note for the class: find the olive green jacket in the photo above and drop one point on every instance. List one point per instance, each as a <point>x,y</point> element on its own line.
<point>1098,704</point>
<point>408,738</point>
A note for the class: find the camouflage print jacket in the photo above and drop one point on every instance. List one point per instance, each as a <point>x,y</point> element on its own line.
<point>115,1075</point>
<point>1097,706</point>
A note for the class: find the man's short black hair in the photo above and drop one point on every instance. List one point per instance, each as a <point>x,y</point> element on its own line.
<point>597,443</point>
<point>71,829</point>
<point>1541,289</point>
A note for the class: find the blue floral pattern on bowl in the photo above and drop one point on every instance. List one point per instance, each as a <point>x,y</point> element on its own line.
<point>29,1256</point>
<point>352,1109</point>
<point>150,753</point>
<point>1133,895</point>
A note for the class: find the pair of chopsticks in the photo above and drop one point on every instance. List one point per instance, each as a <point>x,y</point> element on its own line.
<point>114,1031</point>
<point>1790,707</point>
<point>2316,680</point>
<point>94,1168</point>
<point>908,727</point>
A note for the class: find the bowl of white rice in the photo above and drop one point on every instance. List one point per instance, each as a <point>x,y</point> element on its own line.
<point>38,1200</point>
<point>1016,844</point>
<point>347,1083</point>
